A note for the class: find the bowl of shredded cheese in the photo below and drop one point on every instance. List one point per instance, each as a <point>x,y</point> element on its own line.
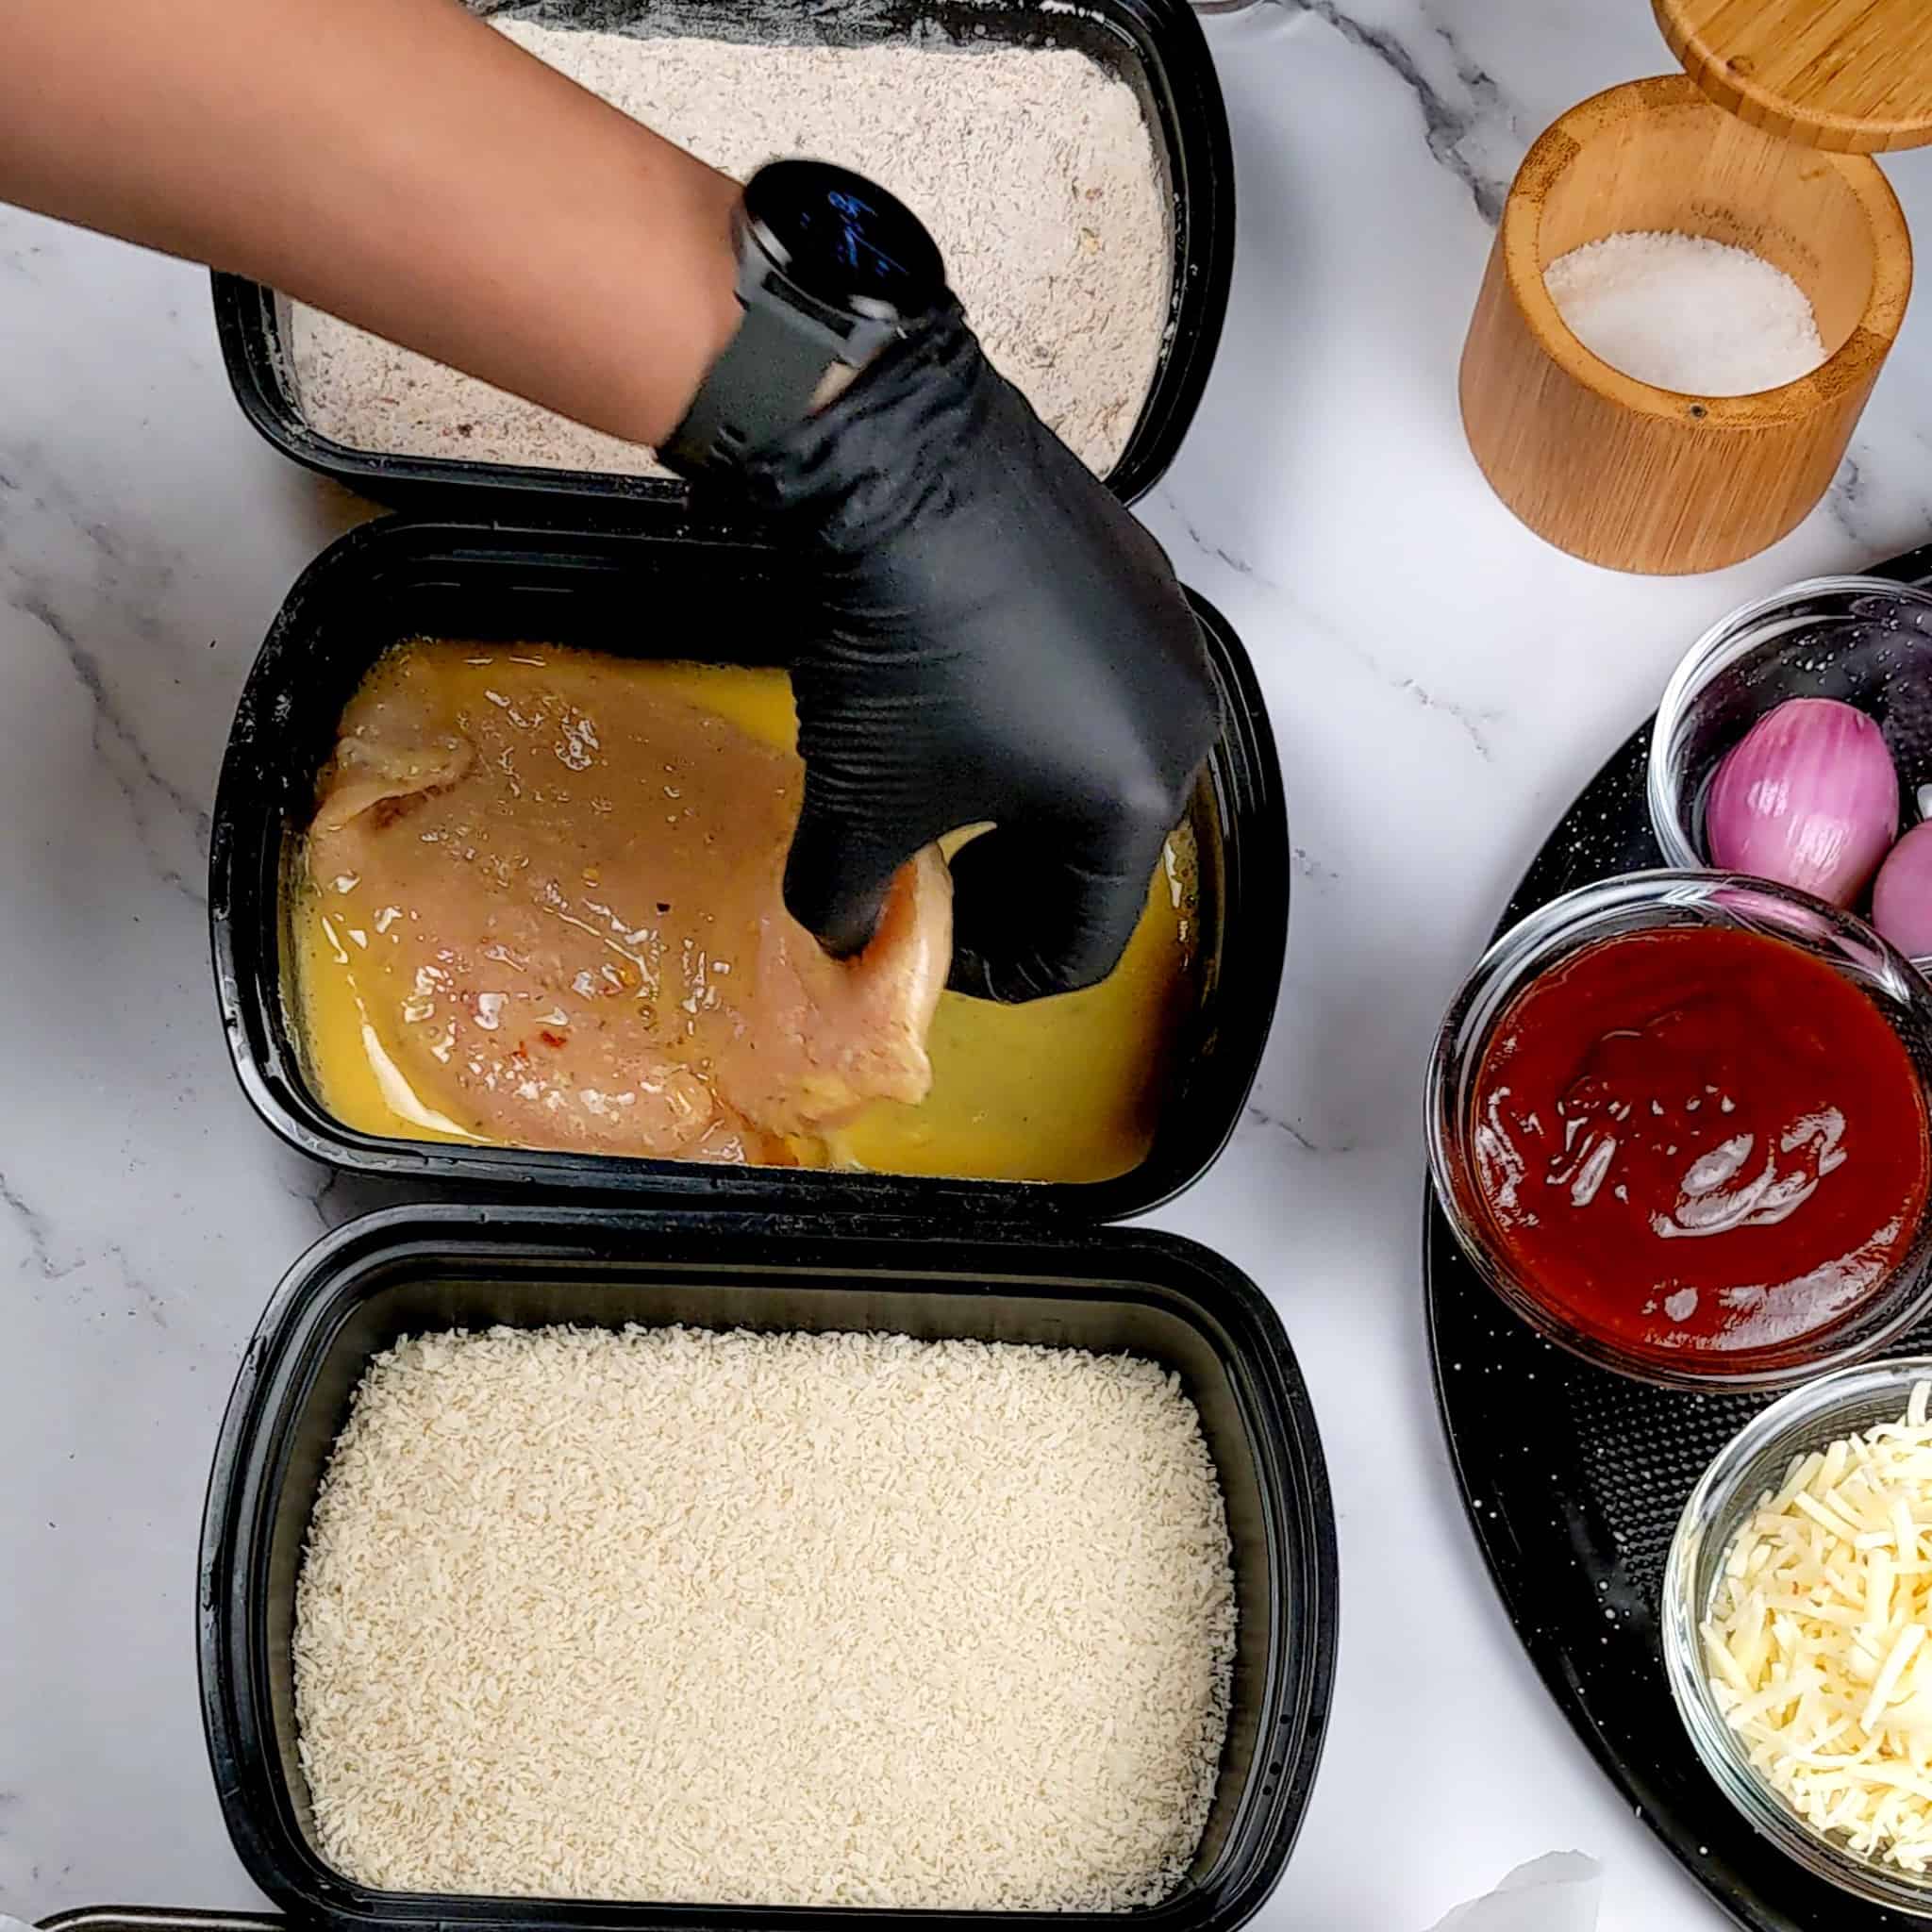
<point>1797,1627</point>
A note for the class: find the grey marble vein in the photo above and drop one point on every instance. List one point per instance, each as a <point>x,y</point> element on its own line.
<point>1843,498</point>
<point>38,1230</point>
<point>1215,552</point>
<point>93,679</point>
<point>318,1198</point>
<point>134,772</point>
<point>1275,1123</point>
<point>1870,500</point>
<point>1262,1117</point>
<point>101,592</point>
<point>140,1294</point>
<point>1219,552</point>
<point>153,1302</point>
<point>1472,720</point>
<point>328,1194</point>
<point>336,1195</point>
<point>1311,868</point>
<point>1452,126</point>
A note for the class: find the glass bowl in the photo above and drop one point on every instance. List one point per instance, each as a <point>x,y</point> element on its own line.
<point>1863,640</point>
<point>1755,1461</point>
<point>1647,901</point>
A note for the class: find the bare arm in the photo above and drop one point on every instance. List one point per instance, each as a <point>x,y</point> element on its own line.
<point>396,162</point>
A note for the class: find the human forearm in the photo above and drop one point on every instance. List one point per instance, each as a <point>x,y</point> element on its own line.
<point>396,162</point>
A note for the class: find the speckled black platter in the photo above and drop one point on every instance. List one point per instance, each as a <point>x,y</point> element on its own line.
<point>1575,1478</point>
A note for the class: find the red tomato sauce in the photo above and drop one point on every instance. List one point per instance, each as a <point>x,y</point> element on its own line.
<point>1697,1141</point>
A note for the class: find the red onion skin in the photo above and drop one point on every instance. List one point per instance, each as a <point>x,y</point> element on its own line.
<point>1902,897</point>
<point>1807,797</point>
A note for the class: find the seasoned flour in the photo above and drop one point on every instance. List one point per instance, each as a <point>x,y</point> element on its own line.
<point>1035,170</point>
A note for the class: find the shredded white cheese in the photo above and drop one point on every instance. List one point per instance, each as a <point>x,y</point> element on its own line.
<point>1816,1639</point>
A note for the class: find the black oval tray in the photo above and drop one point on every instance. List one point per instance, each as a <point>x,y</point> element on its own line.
<point>1573,1483</point>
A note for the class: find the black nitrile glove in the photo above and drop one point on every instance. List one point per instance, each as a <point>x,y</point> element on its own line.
<point>994,639</point>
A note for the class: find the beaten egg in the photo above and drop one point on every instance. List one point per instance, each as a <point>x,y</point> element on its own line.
<point>1061,1089</point>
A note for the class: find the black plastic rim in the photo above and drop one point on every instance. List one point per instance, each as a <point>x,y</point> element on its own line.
<point>1156,45</point>
<point>1574,1478</point>
<point>276,1380</point>
<point>157,1919</point>
<point>392,579</point>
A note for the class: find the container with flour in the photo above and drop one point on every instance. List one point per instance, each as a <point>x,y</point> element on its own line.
<point>1073,165</point>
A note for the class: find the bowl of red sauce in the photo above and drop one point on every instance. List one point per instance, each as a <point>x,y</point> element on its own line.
<point>1680,1123</point>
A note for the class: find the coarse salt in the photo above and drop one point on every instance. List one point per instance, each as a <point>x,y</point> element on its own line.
<point>1687,314</point>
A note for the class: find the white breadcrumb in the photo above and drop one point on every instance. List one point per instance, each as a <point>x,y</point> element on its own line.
<point>832,1620</point>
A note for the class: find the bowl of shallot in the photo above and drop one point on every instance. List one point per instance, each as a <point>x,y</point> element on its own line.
<point>1794,743</point>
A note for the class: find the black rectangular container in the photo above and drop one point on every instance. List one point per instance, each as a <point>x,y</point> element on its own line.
<point>409,1269</point>
<point>654,596</point>
<point>1155,46</point>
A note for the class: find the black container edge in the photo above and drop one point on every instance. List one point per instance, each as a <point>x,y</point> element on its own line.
<point>157,1919</point>
<point>243,1483</point>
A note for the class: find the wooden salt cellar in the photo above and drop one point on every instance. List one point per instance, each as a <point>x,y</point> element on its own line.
<point>1619,473</point>
<point>1760,144</point>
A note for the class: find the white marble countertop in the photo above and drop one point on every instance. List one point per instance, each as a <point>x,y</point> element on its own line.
<point>1440,684</point>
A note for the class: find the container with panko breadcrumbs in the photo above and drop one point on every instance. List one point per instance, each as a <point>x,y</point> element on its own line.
<point>597,1571</point>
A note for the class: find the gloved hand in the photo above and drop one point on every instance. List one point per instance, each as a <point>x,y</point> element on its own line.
<point>994,639</point>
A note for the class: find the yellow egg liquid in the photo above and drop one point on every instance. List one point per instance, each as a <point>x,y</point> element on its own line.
<point>1059,1090</point>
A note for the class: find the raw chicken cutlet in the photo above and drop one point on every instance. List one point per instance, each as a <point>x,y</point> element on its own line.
<point>561,892</point>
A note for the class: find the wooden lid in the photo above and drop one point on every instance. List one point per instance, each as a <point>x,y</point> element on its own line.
<point>1852,75</point>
